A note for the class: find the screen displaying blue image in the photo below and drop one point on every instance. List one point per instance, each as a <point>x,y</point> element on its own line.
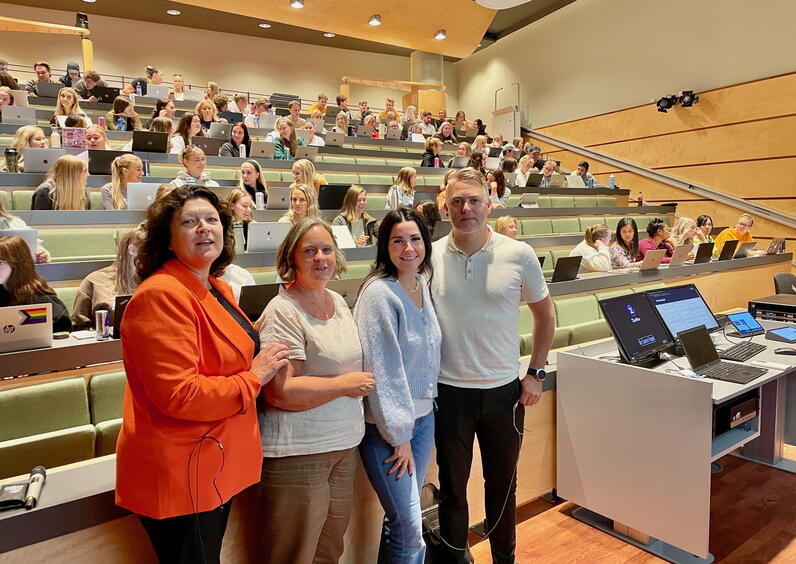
<point>681,308</point>
<point>744,323</point>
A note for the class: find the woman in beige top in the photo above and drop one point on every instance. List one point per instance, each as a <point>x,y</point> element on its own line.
<point>312,420</point>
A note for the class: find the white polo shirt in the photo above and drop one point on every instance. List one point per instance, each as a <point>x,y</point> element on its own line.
<point>477,300</point>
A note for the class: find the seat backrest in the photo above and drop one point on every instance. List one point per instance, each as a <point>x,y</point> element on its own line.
<point>5,197</point>
<point>529,227</point>
<point>79,242</point>
<point>67,295</point>
<point>585,202</point>
<point>22,199</point>
<point>543,201</point>
<point>579,309</point>
<point>381,179</point>
<point>606,202</point>
<point>265,277</point>
<point>561,202</point>
<point>565,225</point>
<point>95,197</point>
<point>106,396</point>
<point>376,202</point>
<point>42,408</point>
<point>557,254</point>
<point>338,159</point>
<point>514,201</point>
<point>586,222</point>
<point>356,271</point>
<point>334,178</point>
<point>784,283</point>
<point>525,320</point>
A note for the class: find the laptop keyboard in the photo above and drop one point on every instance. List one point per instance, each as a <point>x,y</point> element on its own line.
<point>741,351</point>
<point>727,371</point>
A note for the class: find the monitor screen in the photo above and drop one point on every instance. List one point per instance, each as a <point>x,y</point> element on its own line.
<point>744,323</point>
<point>681,308</point>
<point>331,196</point>
<point>636,327</point>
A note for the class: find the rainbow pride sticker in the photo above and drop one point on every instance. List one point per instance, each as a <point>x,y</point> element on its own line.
<point>33,315</point>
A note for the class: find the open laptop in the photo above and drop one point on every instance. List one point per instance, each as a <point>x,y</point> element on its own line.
<point>304,135</point>
<point>105,94</point>
<point>118,312</point>
<point>219,130</point>
<point>266,237</point>
<point>26,327</point>
<point>704,252</point>
<point>575,181</point>
<point>48,89</point>
<point>556,180</point>
<point>335,139</point>
<point>704,359</point>
<point>19,115</point>
<point>40,160</point>
<point>73,138</point>
<point>99,161</point>
<point>193,95</point>
<point>652,260</point>
<point>331,196</point>
<point>150,141</point>
<point>30,236</point>
<point>777,246</point>
<point>744,250</point>
<point>566,268</point>
<point>309,153</point>
<point>423,195</point>
<point>140,195</point>
<point>157,91</point>
<point>680,255</point>
<point>716,230</point>
<point>534,179</point>
<point>253,299</point>
<point>231,117</point>
<point>364,131</point>
<point>727,251</point>
<point>459,162</point>
<point>268,121</point>
<point>20,97</point>
<point>319,124</point>
<point>210,145</point>
<point>495,152</point>
<point>262,149</point>
<point>278,198</point>
<point>393,133</point>
<point>529,200</point>
<point>492,163</point>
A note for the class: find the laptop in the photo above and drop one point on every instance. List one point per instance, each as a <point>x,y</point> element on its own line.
<point>534,180</point>
<point>268,121</point>
<point>556,181</point>
<point>253,299</point>
<point>278,198</point>
<point>157,91</point>
<point>425,195</point>
<point>319,124</point>
<point>704,359</point>
<point>19,115</point>
<point>335,139</point>
<point>210,145</point>
<point>99,161</point>
<point>342,237</point>
<point>231,117</point>
<point>492,163</point>
<point>459,162</point>
<point>511,178</point>
<point>266,237</point>
<point>495,152</point>
<point>105,94</point>
<point>193,95</point>
<point>309,153</point>
<point>364,131</point>
<point>652,260</point>
<point>140,195</point>
<point>566,268</point>
<point>20,97</point>
<point>529,200</point>
<point>331,196</point>
<point>73,138</point>
<point>219,130</point>
<point>304,135</point>
<point>716,230</point>
<point>118,312</point>
<point>394,133</point>
<point>48,89</point>
<point>150,141</point>
<point>680,254</point>
<point>575,181</point>
<point>26,327</point>
<point>262,149</point>
<point>704,252</point>
<point>30,236</point>
<point>745,249</point>
<point>40,160</point>
<point>727,251</point>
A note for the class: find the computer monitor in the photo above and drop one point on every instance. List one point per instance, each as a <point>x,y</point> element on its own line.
<point>331,196</point>
<point>637,329</point>
<point>681,308</point>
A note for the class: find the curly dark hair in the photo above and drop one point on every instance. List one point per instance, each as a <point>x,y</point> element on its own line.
<point>154,251</point>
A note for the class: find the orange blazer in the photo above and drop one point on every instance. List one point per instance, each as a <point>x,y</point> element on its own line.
<point>189,440</point>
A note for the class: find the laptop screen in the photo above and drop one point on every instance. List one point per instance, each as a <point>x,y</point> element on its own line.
<point>698,347</point>
<point>681,308</point>
<point>636,328</point>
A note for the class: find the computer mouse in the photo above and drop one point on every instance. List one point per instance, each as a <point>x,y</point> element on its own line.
<point>785,350</point>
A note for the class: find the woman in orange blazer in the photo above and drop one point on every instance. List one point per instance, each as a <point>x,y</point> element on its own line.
<point>189,441</point>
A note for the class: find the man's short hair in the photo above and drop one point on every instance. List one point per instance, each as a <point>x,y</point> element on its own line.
<point>363,102</point>
<point>42,64</point>
<point>341,98</point>
<point>468,175</point>
<point>176,74</point>
<point>747,217</point>
<point>294,103</point>
<point>322,96</point>
<point>93,75</point>
<point>390,100</point>
<point>535,149</point>
<point>425,113</point>
<point>584,164</point>
<point>261,102</point>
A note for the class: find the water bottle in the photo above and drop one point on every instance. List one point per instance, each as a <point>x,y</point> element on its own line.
<point>121,124</point>
<point>146,167</point>
<point>242,151</point>
<point>12,160</point>
<point>436,162</point>
<point>611,181</point>
<point>102,123</point>
<point>138,89</point>
<point>55,139</point>
<point>591,183</point>
<point>240,245</point>
<point>259,201</point>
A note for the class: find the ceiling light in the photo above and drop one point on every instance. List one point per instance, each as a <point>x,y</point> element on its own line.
<point>173,12</point>
<point>375,19</point>
<point>327,34</point>
<point>441,34</point>
<point>89,1</point>
<point>264,25</point>
<point>688,98</point>
<point>666,103</point>
<point>297,4</point>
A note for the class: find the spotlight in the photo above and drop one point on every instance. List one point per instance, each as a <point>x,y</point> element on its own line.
<point>441,34</point>
<point>666,103</point>
<point>297,4</point>
<point>688,98</point>
<point>173,12</point>
<point>375,19</point>
<point>327,34</point>
<point>264,25</point>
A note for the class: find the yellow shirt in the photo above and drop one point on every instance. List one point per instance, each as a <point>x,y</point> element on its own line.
<point>314,107</point>
<point>383,115</point>
<point>730,234</point>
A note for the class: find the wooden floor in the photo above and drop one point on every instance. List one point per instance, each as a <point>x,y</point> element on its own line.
<point>752,521</point>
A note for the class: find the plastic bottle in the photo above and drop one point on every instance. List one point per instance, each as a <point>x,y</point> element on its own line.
<point>259,201</point>
<point>591,183</point>
<point>121,124</point>
<point>242,151</point>
<point>436,162</point>
<point>640,200</point>
<point>55,139</point>
<point>102,123</point>
<point>611,182</point>
<point>138,89</point>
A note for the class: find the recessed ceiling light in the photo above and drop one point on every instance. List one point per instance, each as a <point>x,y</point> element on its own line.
<point>173,12</point>
<point>297,4</point>
<point>328,34</point>
<point>375,19</point>
<point>440,35</point>
<point>264,25</point>
<point>89,1</point>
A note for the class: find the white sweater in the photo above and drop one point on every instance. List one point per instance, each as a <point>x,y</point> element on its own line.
<point>593,260</point>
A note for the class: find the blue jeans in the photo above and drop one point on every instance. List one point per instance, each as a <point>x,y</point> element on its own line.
<point>402,533</point>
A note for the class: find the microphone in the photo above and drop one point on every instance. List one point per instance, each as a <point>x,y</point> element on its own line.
<point>35,483</point>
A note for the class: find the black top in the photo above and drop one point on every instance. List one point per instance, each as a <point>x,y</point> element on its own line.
<point>42,199</point>
<point>260,188</point>
<point>242,321</point>
<point>428,160</point>
<point>61,321</point>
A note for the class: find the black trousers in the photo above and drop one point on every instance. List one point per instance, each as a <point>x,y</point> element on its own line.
<point>463,414</point>
<point>189,539</point>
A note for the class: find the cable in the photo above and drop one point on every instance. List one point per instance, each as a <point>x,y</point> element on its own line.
<point>724,332</point>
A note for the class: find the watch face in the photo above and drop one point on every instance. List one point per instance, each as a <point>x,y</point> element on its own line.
<point>540,374</point>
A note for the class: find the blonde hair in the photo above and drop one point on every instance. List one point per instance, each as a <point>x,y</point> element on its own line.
<point>188,151</point>
<point>433,142</point>
<point>370,120</point>
<point>747,217</point>
<point>96,128</point>
<point>59,108</point>
<point>163,190</point>
<point>121,162</point>
<point>479,143</point>
<point>292,142</point>
<point>503,222</point>
<point>233,198</point>
<point>404,178</point>
<point>286,254</point>
<point>526,163</point>
<point>22,139</point>
<point>682,225</point>
<point>349,209</point>
<point>210,104</point>
<point>312,203</point>
<point>67,192</point>
<point>345,116</point>
<point>595,233</point>
<point>309,176</point>
<point>162,125</point>
<point>468,150</point>
<point>213,88</point>
<point>467,175</point>
<point>126,275</point>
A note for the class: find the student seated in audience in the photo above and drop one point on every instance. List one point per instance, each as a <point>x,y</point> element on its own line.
<point>164,107</point>
<point>241,204</point>
<point>76,121</point>
<point>135,85</point>
<point>524,170</point>
<point>286,142</point>
<point>123,109</point>
<point>303,203</point>
<point>402,193</point>
<point>684,231</point>
<point>498,191</point>
<point>6,98</point>
<point>8,81</point>
<point>508,165</point>
<point>659,237</point>
<point>431,155</point>
<point>194,173</point>
<point>442,117</point>
<point>64,188</point>
<point>8,221</point>
<point>426,123</point>
<point>463,149</point>
<point>548,170</point>
<point>416,134</point>
<point>96,138</point>
<point>389,106</point>
<point>99,289</point>
<point>480,143</point>
<point>221,103</point>
<point>594,249</point>
<point>583,172</point>
<point>320,105</point>
<point>460,117</point>
<point>430,213</point>
<point>154,75</point>
<point>304,173</point>
<point>509,152</point>
<point>20,284</point>
<point>741,232</point>
<point>624,244</point>
<point>409,116</point>
<point>363,110</point>
<point>393,125</point>
<point>354,216</point>
<point>179,87</point>
<point>207,113</point>
<point>262,107</point>
<point>445,134</point>
<point>497,140</point>
<point>538,161</point>
<point>370,121</point>
<point>341,122</point>
<point>67,105</point>
<point>124,169</point>
<point>506,225</point>
<point>315,140</point>
<point>705,225</point>
<point>163,125</point>
<point>252,179</point>
<point>72,74</point>
<point>242,104</point>
<point>342,103</point>
<point>190,125</point>
<point>478,161</point>
<point>211,91</point>
<point>86,85</point>
<point>238,137</point>
<point>43,74</point>
<point>294,107</point>
<point>26,136</point>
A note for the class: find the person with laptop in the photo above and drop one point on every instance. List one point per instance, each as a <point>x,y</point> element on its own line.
<point>67,105</point>
<point>582,171</point>
<point>123,110</point>
<point>26,136</point>
<point>548,170</point>
<point>64,187</point>
<point>431,158</point>
<point>741,232</point>
<point>6,98</point>
<point>85,86</point>
<point>353,214</point>
<point>208,114</point>
<point>285,142</point>
<point>442,117</point>
<point>194,173</point>
<point>294,107</point>
<point>389,106</point>
<point>238,136</point>
<point>304,173</point>
<point>402,193</point>
<point>153,75</point>
<point>478,161</point>
<point>624,244</point>
<point>658,237</point>
<point>190,125</point>
<point>684,231</point>
<point>242,104</point>
<point>261,107</point>
<point>370,121</point>
<point>594,249</point>
<point>341,124</point>
<point>705,225</point>
<point>463,149</point>
<point>430,212</point>
<point>426,123</point>
<point>315,140</point>
<point>524,170</point>
<point>124,169</point>
<point>499,193</point>
<point>342,103</point>
<point>163,125</point>
<point>303,203</point>
<point>480,279</point>
<point>179,87</point>
<point>252,179</point>
<point>446,134</point>
<point>43,74</point>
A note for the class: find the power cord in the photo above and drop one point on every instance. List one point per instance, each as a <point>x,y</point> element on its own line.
<point>197,450</point>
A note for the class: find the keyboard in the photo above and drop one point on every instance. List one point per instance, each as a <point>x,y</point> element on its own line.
<point>741,351</point>
<point>729,372</point>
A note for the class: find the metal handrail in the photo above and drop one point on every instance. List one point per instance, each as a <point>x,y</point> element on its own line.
<point>705,191</point>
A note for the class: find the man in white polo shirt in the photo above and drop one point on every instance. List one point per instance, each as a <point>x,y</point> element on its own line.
<point>480,279</point>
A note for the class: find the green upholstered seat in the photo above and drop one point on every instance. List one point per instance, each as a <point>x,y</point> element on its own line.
<point>5,197</point>
<point>56,448</point>
<point>562,225</point>
<point>581,315</point>
<point>514,200</point>
<point>547,267</point>
<point>22,199</point>
<point>107,432</point>
<point>95,197</point>
<point>164,171</point>
<point>338,159</point>
<point>376,202</point>
<point>272,175</point>
<point>530,227</point>
<point>67,295</point>
<point>106,401</point>
<point>588,331</point>
<point>265,276</point>
<point>79,244</point>
<point>543,202</point>
<point>558,253</point>
<point>606,202</point>
<point>588,221</point>
<point>402,163</point>
<point>561,338</point>
<point>357,270</point>
<point>642,221</point>
<point>585,202</point>
<point>370,161</point>
<point>561,202</point>
<point>336,178</point>
<point>218,173</point>
<point>381,179</point>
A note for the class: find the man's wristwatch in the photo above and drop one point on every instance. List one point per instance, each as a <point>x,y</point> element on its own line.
<point>538,373</point>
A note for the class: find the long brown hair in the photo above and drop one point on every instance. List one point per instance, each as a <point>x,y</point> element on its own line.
<point>292,143</point>
<point>126,276</point>
<point>349,209</point>
<point>23,282</point>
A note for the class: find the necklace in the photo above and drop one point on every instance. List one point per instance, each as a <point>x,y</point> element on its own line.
<point>412,291</point>
<point>322,309</point>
